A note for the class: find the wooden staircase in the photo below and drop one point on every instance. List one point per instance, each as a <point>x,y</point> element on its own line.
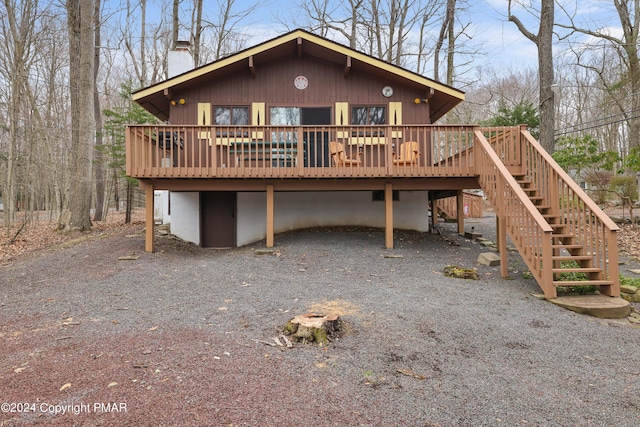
<point>562,235</point>
<point>569,256</point>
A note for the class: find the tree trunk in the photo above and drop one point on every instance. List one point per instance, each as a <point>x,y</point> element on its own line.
<point>76,215</point>
<point>175,24</point>
<point>197,36</point>
<point>98,215</point>
<point>544,42</point>
<point>545,71</point>
<point>129,203</point>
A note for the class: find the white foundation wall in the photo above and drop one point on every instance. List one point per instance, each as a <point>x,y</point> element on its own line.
<point>185,216</point>
<point>294,210</point>
<point>161,207</point>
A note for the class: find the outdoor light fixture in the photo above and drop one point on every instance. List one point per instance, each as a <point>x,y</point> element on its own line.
<point>421,100</point>
<point>182,101</point>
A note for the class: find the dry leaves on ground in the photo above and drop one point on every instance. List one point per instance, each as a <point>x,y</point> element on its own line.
<point>629,240</point>
<point>44,234</point>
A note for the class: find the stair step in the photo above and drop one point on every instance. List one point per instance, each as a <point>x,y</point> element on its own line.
<point>572,257</point>
<point>582,283</point>
<point>577,270</point>
<point>543,207</point>
<point>554,226</point>
<point>567,246</point>
<point>562,235</point>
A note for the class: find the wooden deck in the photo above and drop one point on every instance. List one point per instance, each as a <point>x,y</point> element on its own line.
<point>548,217</point>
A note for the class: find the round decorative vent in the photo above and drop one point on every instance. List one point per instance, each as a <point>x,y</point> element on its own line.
<point>301,82</point>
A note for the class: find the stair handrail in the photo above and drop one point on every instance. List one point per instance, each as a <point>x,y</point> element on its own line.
<point>582,195</point>
<point>511,181</point>
<point>591,225</point>
<point>535,256</point>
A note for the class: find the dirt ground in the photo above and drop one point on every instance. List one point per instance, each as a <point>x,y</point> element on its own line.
<point>185,336</point>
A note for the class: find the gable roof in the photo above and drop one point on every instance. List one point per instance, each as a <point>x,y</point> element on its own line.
<point>156,98</point>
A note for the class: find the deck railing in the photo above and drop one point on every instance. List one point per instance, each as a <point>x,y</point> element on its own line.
<point>297,151</point>
<point>472,205</point>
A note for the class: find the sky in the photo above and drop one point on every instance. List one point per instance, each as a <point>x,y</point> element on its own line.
<point>496,42</point>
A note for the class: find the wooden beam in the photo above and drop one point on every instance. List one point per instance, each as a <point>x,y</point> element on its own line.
<point>388,215</point>
<point>460,209</point>
<point>149,221</point>
<point>347,68</point>
<point>270,206</point>
<point>309,184</point>
<point>299,47</point>
<point>252,68</point>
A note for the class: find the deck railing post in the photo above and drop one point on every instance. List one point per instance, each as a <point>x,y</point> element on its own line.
<point>612,259</point>
<point>300,151</point>
<point>501,225</point>
<point>521,149</point>
<point>547,267</point>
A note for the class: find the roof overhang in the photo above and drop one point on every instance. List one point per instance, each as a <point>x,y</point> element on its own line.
<point>156,98</point>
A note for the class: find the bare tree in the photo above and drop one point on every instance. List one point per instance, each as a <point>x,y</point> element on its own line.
<point>18,31</point>
<point>137,55</point>
<point>80,16</point>
<point>225,37</point>
<point>626,47</point>
<point>544,42</point>
<point>97,111</point>
<point>446,33</point>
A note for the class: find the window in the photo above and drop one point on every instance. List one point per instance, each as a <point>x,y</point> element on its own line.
<point>284,116</point>
<point>374,115</point>
<point>229,116</point>
<point>378,195</point>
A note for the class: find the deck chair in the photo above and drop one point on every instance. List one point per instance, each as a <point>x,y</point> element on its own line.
<point>408,154</point>
<point>339,158</point>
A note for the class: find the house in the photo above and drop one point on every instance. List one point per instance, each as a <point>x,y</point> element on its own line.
<point>301,131</point>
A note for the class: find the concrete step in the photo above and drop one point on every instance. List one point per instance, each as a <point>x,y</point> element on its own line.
<point>600,306</point>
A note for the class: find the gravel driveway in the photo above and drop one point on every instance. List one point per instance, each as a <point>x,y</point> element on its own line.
<point>179,338</point>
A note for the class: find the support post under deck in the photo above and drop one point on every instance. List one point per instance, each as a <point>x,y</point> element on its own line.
<point>270,207</point>
<point>388,215</point>
<point>460,209</point>
<point>149,219</point>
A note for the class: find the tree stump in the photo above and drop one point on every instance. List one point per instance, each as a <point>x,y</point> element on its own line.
<point>460,272</point>
<point>313,327</point>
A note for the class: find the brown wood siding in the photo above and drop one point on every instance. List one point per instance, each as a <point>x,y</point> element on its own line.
<point>273,84</point>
